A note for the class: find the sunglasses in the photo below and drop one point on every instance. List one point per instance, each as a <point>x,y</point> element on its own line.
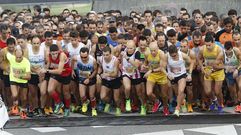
<point>84,57</point>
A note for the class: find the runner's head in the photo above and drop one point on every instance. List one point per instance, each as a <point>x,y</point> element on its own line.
<point>36,42</point>
<point>54,51</point>
<point>107,53</point>
<point>209,41</point>
<point>21,40</point>
<point>184,45</point>
<point>172,51</point>
<point>74,37</point>
<point>153,48</point>
<point>102,40</point>
<point>19,55</point>
<point>236,38</point>
<point>84,54</point>
<point>161,39</point>
<point>130,46</point>
<point>142,42</point>
<point>11,44</point>
<point>197,37</point>
<point>228,24</point>
<point>228,47</point>
<point>48,38</point>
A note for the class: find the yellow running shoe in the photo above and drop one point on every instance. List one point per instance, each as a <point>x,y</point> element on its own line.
<point>189,108</point>
<point>94,112</point>
<point>84,107</point>
<point>118,111</point>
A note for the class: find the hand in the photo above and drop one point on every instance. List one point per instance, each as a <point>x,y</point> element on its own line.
<point>98,77</point>
<point>235,74</point>
<point>104,75</point>
<point>170,77</point>
<point>86,81</point>
<point>144,67</point>
<point>17,76</point>
<point>43,71</point>
<point>147,74</point>
<point>207,73</point>
<point>73,74</point>
<point>189,77</point>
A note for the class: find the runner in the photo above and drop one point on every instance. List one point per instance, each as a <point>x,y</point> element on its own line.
<point>86,73</point>
<point>177,73</point>
<point>109,73</point>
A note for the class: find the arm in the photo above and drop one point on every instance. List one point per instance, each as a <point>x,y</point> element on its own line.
<point>95,70</point>
<point>219,59</point>
<point>238,54</point>
<point>218,65</point>
<point>163,63</point>
<point>27,75</point>
<point>200,59</point>
<point>93,49</point>
<point>188,59</point>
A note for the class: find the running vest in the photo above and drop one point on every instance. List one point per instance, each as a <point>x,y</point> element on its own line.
<point>84,70</point>
<point>43,44</point>
<point>154,62</point>
<point>55,64</point>
<point>210,57</point>
<point>38,59</point>
<point>109,67</point>
<point>128,69</point>
<point>231,61</point>
<point>177,68</point>
<point>63,45</point>
<point>73,51</point>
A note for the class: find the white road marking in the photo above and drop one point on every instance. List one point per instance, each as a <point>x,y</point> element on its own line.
<point>5,133</point>
<point>217,130</point>
<point>49,129</point>
<point>173,132</point>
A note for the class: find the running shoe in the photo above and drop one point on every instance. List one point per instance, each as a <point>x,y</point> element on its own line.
<point>41,112</point>
<point>14,111</point>
<point>94,112</point>
<point>66,112</point>
<point>85,106</point>
<point>171,108</point>
<point>143,110</point>
<point>166,111</point>
<point>100,106</point>
<point>128,105</point>
<point>51,110</point>
<point>107,108</point>
<point>118,111</point>
<point>23,115</point>
<point>156,106</point>
<point>189,108</point>
<point>237,109</point>
<point>58,107</point>
<point>177,112</point>
<point>220,109</point>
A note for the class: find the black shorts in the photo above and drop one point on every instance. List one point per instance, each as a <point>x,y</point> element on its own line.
<point>1,74</point>
<point>47,76</point>
<point>91,82</point>
<point>34,79</point>
<point>6,81</point>
<point>143,79</point>
<point>112,84</point>
<point>176,79</point>
<point>133,81</point>
<point>21,85</point>
<point>61,79</point>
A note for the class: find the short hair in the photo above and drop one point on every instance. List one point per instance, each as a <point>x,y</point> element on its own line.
<point>3,27</point>
<point>112,30</point>
<point>171,33</point>
<point>183,9</point>
<point>140,27</point>
<point>142,38</point>
<point>102,40</point>
<point>83,33</point>
<point>172,49</point>
<point>121,36</point>
<point>209,38</point>
<point>228,45</point>
<point>46,9</point>
<point>26,26</point>
<point>74,34</point>
<point>21,36</point>
<point>160,34</point>
<point>214,19</point>
<point>48,34</point>
<point>236,32</point>
<point>92,22</point>
<point>186,14</point>
<point>35,36</point>
<point>195,11</point>
<point>37,8</point>
<point>232,12</point>
<point>183,23</point>
<point>107,49</point>
<point>146,32</point>
<point>53,48</point>
<point>196,33</point>
<point>11,41</point>
<point>156,11</point>
<point>84,50</point>
<point>227,20</point>
<point>147,11</point>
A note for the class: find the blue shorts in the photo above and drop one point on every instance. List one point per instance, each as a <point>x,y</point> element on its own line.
<point>229,78</point>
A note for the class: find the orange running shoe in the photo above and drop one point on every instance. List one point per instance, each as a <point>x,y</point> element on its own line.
<point>14,110</point>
